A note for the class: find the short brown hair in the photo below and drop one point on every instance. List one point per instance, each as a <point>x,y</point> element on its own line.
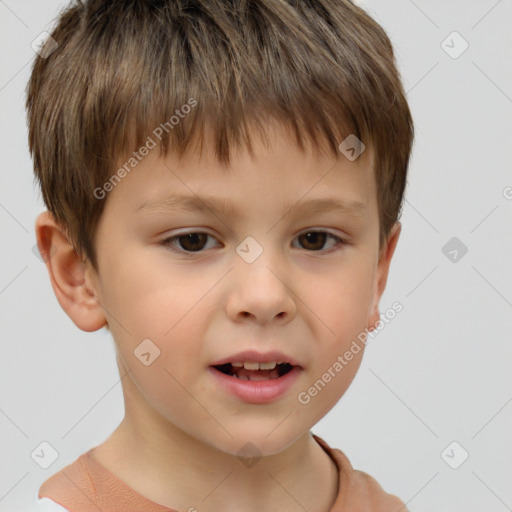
<point>324,68</point>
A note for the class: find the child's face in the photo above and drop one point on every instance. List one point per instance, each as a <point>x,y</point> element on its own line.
<point>306,297</point>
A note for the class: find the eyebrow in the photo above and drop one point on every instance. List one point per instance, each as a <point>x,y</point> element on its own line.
<point>227,208</point>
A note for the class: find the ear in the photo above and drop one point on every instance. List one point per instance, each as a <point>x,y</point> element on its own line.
<point>385,255</point>
<point>73,290</point>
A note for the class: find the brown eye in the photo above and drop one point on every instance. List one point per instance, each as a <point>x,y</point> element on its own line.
<point>187,242</point>
<point>315,240</point>
<point>193,241</point>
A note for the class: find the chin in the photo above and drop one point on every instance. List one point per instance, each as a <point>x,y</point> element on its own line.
<point>256,442</point>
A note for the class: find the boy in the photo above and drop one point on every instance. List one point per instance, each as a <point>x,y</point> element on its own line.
<point>260,128</point>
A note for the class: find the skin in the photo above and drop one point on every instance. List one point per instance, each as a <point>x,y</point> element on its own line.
<point>179,439</point>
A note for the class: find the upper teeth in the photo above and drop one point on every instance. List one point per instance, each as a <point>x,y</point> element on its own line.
<point>251,365</point>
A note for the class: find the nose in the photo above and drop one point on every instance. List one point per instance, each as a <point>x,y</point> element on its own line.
<point>261,292</point>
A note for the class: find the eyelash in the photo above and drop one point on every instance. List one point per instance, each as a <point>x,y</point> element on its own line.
<point>167,242</point>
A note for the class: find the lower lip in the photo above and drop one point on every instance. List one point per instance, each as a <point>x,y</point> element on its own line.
<point>257,391</point>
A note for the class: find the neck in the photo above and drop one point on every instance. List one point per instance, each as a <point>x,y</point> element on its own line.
<point>171,468</point>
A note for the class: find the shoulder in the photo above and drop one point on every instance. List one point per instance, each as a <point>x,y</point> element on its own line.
<point>73,486</point>
<point>364,493</point>
<point>358,491</point>
<point>374,496</point>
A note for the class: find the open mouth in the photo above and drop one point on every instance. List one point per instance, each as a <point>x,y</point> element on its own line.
<point>242,373</point>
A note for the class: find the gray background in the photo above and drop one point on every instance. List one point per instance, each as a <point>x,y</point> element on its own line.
<point>440,372</point>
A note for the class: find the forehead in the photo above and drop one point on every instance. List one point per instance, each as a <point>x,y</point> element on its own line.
<point>278,170</point>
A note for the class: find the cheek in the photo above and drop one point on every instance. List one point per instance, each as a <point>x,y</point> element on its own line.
<point>175,358</point>
<point>150,298</point>
<point>340,306</point>
<point>143,302</point>
<point>340,302</point>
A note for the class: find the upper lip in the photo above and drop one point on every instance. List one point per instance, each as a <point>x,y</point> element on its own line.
<point>257,357</point>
